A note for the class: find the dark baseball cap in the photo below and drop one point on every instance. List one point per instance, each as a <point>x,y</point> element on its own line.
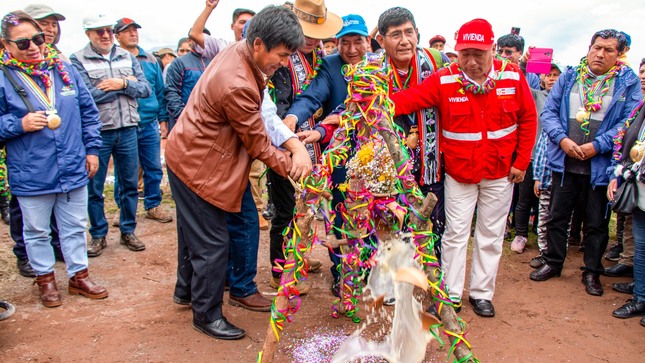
<point>123,23</point>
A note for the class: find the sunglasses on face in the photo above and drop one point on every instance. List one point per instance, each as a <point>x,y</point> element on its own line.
<point>505,51</point>
<point>23,43</point>
<point>100,32</point>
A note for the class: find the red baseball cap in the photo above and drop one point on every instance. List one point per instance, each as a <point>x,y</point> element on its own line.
<point>437,38</point>
<point>477,33</point>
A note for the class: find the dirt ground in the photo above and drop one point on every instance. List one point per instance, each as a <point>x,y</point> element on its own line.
<point>553,321</point>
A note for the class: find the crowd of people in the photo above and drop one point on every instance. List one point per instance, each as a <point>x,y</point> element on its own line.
<point>496,144</point>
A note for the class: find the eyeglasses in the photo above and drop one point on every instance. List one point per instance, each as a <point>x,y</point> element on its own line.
<point>24,43</point>
<point>101,32</point>
<point>505,51</point>
<point>398,35</point>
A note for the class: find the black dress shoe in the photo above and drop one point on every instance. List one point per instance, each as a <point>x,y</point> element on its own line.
<point>180,301</point>
<point>482,307</point>
<point>619,270</point>
<point>631,309</point>
<point>592,283</point>
<point>544,273</point>
<point>643,321</point>
<point>624,287</point>
<point>24,268</point>
<point>220,329</point>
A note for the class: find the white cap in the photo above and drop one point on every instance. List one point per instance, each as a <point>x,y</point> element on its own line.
<point>96,21</point>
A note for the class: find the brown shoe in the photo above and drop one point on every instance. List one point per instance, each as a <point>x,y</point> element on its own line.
<point>96,246</point>
<point>49,295</point>
<point>158,214</point>
<point>81,284</point>
<point>314,264</point>
<point>254,302</point>
<point>132,242</point>
<point>303,287</point>
<point>264,225</point>
<point>116,219</point>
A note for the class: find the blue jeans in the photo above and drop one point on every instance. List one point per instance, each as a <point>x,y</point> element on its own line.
<point>71,218</point>
<point>638,227</point>
<point>121,144</point>
<point>150,161</point>
<point>244,236</point>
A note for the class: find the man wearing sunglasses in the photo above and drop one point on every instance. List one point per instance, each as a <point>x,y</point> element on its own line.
<point>116,81</point>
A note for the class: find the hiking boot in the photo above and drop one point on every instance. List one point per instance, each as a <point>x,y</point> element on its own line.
<point>614,252</point>
<point>264,225</point>
<point>537,261</point>
<point>158,214</point>
<point>518,244</point>
<point>116,219</point>
<point>49,294</point>
<point>132,242</point>
<point>24,268</point>
<point>83,285</point>
<point>303,286</point>
<point>96,246</point>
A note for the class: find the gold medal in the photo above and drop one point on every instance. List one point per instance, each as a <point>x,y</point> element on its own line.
<point>582,115</point>
<point>637,152</point>
<point>53,120</point>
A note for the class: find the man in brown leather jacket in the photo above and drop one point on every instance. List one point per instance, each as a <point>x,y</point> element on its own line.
<point>210,150</point>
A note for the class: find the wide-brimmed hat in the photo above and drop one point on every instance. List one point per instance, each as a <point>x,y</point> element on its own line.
<point>316,21</point>
<point>42,11</point>
<point>163,51</point>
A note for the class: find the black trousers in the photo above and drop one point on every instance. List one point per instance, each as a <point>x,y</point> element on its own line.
<point>202,256</point>
<point>284,201</point>
<point>565,192</point>
<point>526,201</point>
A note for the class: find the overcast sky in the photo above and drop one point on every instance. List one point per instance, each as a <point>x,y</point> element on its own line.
<point>564,25</point>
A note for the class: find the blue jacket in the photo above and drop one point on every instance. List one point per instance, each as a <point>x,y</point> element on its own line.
<point>181,77</point>
<point>555,120</point>
<point>49,161</point>
<point>153,107</point>
<point>327,90</point>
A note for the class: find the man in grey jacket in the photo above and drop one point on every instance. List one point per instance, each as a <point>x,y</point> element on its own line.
<point>116,81</point>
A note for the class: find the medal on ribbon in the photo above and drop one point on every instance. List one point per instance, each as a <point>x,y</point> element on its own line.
<point>47,99</point>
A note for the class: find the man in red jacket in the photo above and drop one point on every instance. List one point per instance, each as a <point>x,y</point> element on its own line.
<point>488,123</point>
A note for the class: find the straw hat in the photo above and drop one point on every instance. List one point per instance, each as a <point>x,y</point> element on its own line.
<point>316,21</point>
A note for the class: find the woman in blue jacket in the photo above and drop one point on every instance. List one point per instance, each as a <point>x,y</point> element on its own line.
<point>52,135</point>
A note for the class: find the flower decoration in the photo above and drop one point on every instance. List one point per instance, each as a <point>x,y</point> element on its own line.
<point>372,165</point>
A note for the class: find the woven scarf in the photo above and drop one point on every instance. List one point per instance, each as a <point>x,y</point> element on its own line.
<point>421,67</point>
<point>302,73</point>
<point>40,68</point>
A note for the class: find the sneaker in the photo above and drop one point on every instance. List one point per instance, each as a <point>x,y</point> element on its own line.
<point>269,212</point>
<point>614,252</point>
<point>132,242</point>
<point>303,286</point>
<point>335,288</point>
<point>141,195</point>
<point>537,261</point>
<point>96,246</point>
<point>518,244</point>
<point>158,214</point>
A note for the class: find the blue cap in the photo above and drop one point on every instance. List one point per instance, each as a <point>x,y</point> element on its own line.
<point>353,24</point>
<point>246,27</point>
<point>628,38</point>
